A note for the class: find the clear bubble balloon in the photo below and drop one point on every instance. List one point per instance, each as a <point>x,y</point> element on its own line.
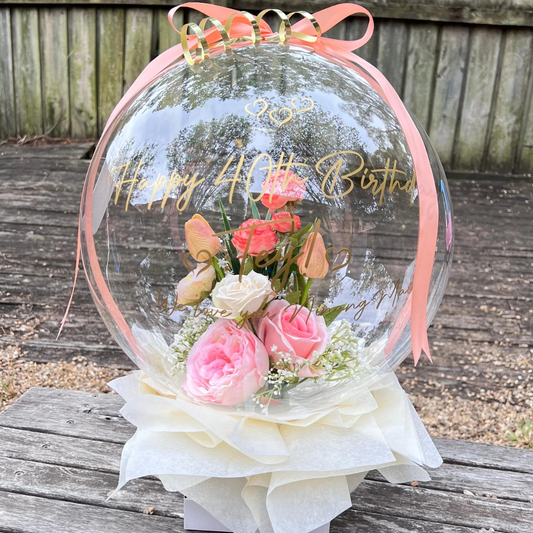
<point>270,162</point>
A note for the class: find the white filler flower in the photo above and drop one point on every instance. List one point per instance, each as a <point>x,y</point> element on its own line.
<point>242,297</point>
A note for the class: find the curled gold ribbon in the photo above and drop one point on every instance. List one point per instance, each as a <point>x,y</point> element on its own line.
<point>284,35</point>
<point>202,46</point>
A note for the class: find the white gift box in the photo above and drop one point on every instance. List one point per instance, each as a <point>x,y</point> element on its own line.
<point>196,518</point>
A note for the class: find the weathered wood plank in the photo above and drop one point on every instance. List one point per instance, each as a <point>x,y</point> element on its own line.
<point>27,70</point>
<point>110,37</point>
<point>392,52</point>
<point>448,89</point>
<point>89,487</point>
<point>95,417</point>
<point>54,53</point>
<point>443,507</point>
<point>55,154</point>
<point>82,54</point>
<point>167,36</point>
<point>438,503</point>
<point>138,43</point>
<point>8,126</point>
<point>510,102</point>
<point>30,514</point>
<point>455,11</point>
<point>477,103</point>
<point>421,59</point>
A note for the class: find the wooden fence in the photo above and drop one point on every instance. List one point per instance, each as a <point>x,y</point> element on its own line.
<point>462,66</point>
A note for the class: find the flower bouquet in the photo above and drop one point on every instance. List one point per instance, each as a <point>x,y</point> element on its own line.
<point>267,234</point>
<point>259,335</point>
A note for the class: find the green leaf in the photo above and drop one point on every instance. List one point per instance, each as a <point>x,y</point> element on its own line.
<point>268,216</point>
<point>255,211</point>
<point>232,251</point>
<point>227,226</point>
<point>248,265</point>
<point>302,232</point>
<point>293,297</point>
<point>333,313</point>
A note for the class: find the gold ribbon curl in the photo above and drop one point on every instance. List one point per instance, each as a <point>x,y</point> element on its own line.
<point>284,35</point>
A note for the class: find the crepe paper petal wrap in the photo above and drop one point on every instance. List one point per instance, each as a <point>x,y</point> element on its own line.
<point>279,473</point>
<point>229,24</point>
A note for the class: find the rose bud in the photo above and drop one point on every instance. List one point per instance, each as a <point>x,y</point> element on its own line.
<point>201,241</point>
<point>286,226</point>
<point>313,262</point>
<point>196,286</point>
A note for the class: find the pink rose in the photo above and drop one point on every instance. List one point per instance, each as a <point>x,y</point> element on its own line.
<point>286,227</point>
<point>263,237</point>
<point>292,329</point>
<point>287,187</point>
<point>226,365</point>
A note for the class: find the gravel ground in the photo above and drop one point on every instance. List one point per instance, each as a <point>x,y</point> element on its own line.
<point>486,417</point>
<point>17,376</point>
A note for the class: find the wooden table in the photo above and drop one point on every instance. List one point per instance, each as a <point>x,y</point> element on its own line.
<point>60,453</point>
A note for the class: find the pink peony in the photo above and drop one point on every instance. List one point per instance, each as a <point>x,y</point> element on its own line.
<point>288,187</point>
<point>286,227</point>
<point>226,365</point>
<point>292,329</point>
<point>263,238</point>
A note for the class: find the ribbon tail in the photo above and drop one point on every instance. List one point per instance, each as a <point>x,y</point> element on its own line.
<point>428,208</point>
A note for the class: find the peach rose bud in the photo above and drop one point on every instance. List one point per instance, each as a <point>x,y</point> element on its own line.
<point>201,242</point>
<point>197,285</point>
<point>313,262</point>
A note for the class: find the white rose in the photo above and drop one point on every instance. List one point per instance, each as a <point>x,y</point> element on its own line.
<point>197,285</point>
<point>245,296</point>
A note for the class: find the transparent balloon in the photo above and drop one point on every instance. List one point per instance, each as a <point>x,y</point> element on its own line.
<point>265,132</point>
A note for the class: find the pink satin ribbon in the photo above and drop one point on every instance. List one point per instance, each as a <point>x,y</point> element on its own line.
<point>415,308</point>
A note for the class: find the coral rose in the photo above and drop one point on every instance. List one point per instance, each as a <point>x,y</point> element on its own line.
<point>286,227</point>
<point>226,365</point>
<point>278,191</point>
<point>295,330</point>
<point>201,241</point>
<point>264,238</point>
<point>245,295</point>
<point>196,286</point>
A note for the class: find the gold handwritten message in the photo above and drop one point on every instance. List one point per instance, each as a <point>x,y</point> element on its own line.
<point>392,295</point>
<point>335,181</point>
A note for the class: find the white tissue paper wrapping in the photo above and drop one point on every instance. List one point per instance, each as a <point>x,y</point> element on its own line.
<point>272,472</point>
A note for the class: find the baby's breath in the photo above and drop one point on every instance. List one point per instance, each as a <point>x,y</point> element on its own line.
<point>192,329</point>
<point>341,358</point>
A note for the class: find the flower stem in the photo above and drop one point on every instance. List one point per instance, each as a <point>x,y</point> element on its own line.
<point>305,292</point>
<point>218,270</point>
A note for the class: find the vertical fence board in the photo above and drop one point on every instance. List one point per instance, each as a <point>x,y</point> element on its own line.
<point>510,101</point>
<point>167,36</point>
<point>138,43</point>
<point>477,103</point>
<point>355,29</point>
<point>54,51</point>
<point>525,156</point>
<point>110,38</point>
<point>82,54</point>
<point>448,88</point>
<point>8,126</point>
<point>421,58</point>
<point>392,51</point>
<point>27,69</point>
